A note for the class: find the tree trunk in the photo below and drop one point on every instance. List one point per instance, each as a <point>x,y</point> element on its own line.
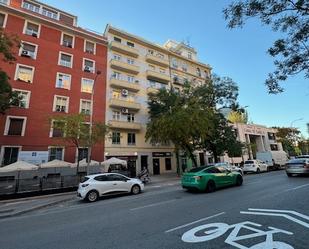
<point>177,161</point>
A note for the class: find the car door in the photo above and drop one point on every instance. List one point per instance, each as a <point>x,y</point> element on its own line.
<point>103,183</point>
<point>226,176</point>
<point>262,165</point>
<point>120,183</point>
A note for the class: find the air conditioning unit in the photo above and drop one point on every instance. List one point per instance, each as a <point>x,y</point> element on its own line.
<point>125,110</point>
<point>87,69</point>
<point>25,53</point>
<point>124,92</point>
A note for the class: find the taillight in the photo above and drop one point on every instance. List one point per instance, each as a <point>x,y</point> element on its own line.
<point>85,185</point>
<point>306,165</point>
<point>198,178</point>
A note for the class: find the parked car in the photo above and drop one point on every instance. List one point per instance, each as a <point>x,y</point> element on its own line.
<point>256,166</point>
<point>230,167</point>
<point>94,186</point>
<point>209,178</point>
<point>303,156</point>
<point>297,166</point>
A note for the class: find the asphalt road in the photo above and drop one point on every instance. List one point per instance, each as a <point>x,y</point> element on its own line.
<point>274,206</point>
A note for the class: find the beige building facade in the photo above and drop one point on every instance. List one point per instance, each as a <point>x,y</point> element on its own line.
<point>135,68</point>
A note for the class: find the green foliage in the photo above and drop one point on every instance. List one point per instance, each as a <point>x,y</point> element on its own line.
<point>7,96</point>
<point>189,119</point>
<point>289,137</point>
<point>291,18</point>
<point>238,117</point>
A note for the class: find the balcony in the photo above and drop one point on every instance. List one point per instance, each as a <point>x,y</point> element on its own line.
<point>152,90</point>
<point>161,77</point>
<point>157,60</point>
<point>124,49</point>
<point>123,66</point>
<point>124,125</point>
<point>122,84</point>
<point>120,103</point>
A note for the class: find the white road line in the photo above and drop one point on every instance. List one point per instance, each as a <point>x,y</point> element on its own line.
<point>191,223</point>
<point>152,205</point>
<point>280,211</point>
<point>280,215</point>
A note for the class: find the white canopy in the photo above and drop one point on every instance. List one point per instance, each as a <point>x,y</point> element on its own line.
<point>19,166</point>
<point>83,163</point>
<point>55,163</point>
<point>114,160</point>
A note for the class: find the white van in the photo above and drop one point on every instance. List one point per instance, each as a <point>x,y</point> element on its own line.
<point>274,159</point>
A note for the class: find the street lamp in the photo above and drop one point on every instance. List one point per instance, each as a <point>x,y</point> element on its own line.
<point>90,122</point>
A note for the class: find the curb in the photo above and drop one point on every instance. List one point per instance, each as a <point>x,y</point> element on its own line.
<point>35,208</point>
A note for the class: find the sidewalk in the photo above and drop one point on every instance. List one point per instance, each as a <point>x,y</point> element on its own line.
<point>15,207</point>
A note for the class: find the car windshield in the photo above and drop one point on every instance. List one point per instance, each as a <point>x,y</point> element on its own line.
<point>197,169</point>
<point>249,162</point>
<point>295,161</point>
<point>303,156</point>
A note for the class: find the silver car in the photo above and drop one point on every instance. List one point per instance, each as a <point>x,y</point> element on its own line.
<point>297,166</point>
<point>230,167</point>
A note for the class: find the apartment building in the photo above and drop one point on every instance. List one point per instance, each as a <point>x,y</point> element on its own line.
<point>137,67</point>
<point>59,65</point>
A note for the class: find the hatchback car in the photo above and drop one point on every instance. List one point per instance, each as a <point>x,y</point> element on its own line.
<point>297,166</point>
<point>94,186</point>
<point>209,178</point>
<point>256,166</point>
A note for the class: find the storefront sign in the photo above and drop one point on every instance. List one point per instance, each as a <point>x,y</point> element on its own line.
<point>253,130</point>
<point>161,154</point>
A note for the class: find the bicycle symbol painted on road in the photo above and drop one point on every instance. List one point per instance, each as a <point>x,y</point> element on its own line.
<point>214,230</point>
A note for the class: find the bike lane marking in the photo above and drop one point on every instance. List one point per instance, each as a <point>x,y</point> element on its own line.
<point>194,222</point>
<point>152,205</point>
<point>298,187</point>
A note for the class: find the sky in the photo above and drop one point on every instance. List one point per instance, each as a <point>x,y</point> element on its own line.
<point>238,53</point>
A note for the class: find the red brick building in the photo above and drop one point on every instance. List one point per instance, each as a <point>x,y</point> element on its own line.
<point>56,68</point>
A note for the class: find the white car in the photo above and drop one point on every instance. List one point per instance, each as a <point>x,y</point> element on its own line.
<point>98,185</point>
<point>230,167</point>
<point>256,166</point>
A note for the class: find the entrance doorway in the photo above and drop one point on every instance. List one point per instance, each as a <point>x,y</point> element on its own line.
<point>202,159</point>
<point>144,162</point>
<point>132,167</point>
<point>168,164</point>
<point>10,155</point>
<point>156,166</point>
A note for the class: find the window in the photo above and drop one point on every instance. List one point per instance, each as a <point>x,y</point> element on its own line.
<point>130,117</point>
<point>116,39</point>
<point>116,75</point>
<point>189,55</point>
<point>271,136</point>
<point>116,115</point>
<point>198,72</point>
<point>57,129</point>
<point>24,73</point>
<point>89,47</point>
<point>274,147</point>
<point>31,6</point>
<point>130,61</point>
<point>117,57</point>
<point>49,13</point>
<point>130,78</point>
<point>87,85</point>
<point>24,97</point>
<point>116,137</point>
<point>130,44</point>
<point>2,20</point>
<point>184,67</point>
<point>63,81</point>
<point>82,153</point>
<point>88,66</point>
<point>10,155</point>
<point>61,104</point>
<point>15,126</point>
<point>131,138</point>
<point>28,50</point>
<point>174,63</point>
<point>32,29</point>
<point>67,40</point>
<point>207,75</point>
<point>65,60</point>
<point>150,51</point>
<point>55,153</point>
<point>103,178</point>
<point>85,106</point>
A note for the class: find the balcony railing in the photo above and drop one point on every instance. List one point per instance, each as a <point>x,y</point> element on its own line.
<point>65,63</point>
<point>157,60</point>
<point>123,84</point>
<point>118,124</point>
<point>153,75</point>
<point>39,9</point>
<point>123,66</point>
<point>122,103</point>
<point>124,49</point>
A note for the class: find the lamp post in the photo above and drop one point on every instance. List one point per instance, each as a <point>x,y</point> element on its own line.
<point>90,123</point>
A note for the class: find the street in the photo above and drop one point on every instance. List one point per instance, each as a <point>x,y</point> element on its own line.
<point>170,217</point>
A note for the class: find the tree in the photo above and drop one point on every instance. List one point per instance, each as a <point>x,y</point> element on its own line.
<point>7,96</point>
<point>290,17</point>
<point>303,146</point>
<point>288,137</point>
<point>76,131</point>
<point>238,117</point>
<point>190,117</point>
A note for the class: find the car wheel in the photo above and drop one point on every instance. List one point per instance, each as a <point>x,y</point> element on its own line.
<point>239,181</point>
<point>92,196</point>
<point>289,174</point>
<point>211,186</point>
<point>135,189</point>
<point>258,170</point>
